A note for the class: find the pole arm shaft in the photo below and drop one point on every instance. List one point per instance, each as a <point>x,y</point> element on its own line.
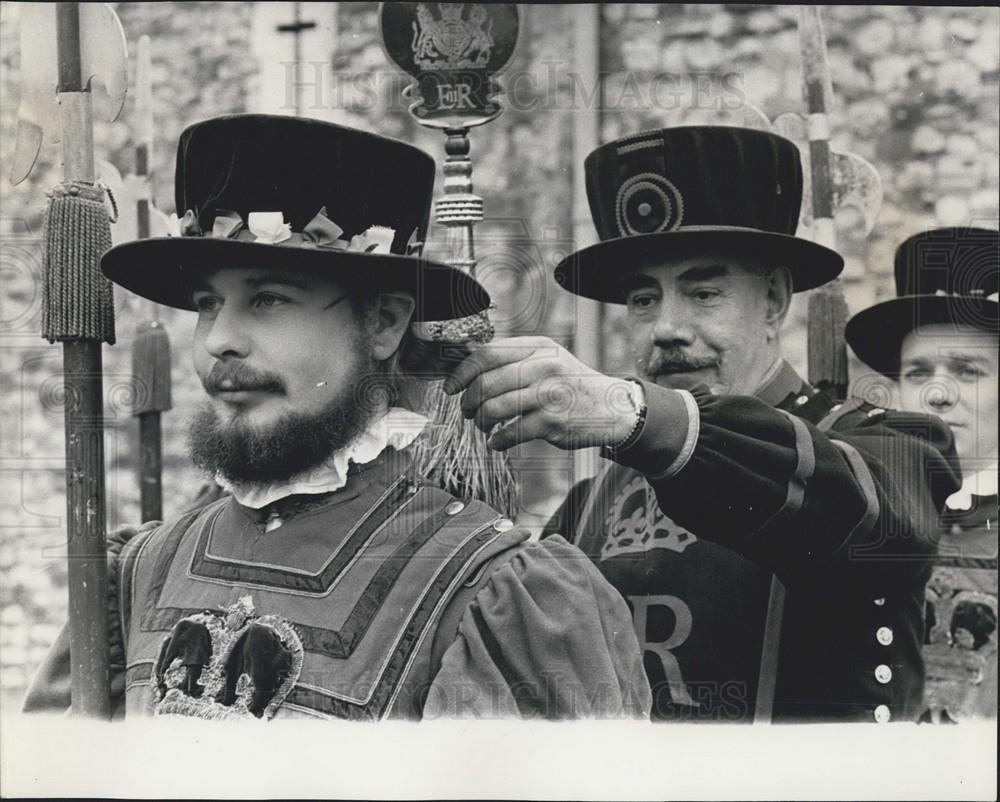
<point>827,351</point>
<point>87,580</point>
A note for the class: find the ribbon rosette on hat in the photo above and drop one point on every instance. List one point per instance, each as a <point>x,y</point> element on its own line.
<point>375,239</point>
<point>270,228</point>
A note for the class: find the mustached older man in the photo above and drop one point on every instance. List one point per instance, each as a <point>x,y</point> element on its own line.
<point>774,565</point>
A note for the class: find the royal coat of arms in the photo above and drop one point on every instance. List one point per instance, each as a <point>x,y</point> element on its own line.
<point>451,42</point>
<point>453,50</point>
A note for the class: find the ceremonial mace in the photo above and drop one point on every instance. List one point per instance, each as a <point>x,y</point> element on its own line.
<point>453,50</point>
<point>77,301</point>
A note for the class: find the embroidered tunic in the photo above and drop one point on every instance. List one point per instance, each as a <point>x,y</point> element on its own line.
<point>400,600</point>
<point>960,646</point>
<point>844,518</point>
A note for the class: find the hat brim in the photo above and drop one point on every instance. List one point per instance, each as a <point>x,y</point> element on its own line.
<point>876,334</point>
<point>163,270</point>
<point>597,270</point>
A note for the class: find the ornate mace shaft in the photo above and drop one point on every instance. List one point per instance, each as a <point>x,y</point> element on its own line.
<point>452,50</point>
<point>460,208</point>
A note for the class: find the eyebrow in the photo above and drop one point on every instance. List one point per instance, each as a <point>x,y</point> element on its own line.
<point>203,284</point>
<point>704,273</point>
<point>287,279</point>
<point>960,356</point>
<point>957,356</point>
<point>639,280</point>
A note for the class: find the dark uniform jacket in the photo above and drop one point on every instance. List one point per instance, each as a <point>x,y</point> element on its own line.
<point>844,518</point>
<point>388,598</point>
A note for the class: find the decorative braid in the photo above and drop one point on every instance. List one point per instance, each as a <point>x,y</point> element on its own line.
<point>77,300</point>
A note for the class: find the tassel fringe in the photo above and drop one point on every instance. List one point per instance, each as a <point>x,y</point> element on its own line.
<point>454,456</point>
<point>151,368</point>
<point>77,300</point>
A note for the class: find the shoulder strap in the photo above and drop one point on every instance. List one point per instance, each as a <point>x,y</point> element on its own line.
<point>845,411</point>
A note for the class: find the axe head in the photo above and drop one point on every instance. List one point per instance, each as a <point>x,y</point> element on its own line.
<point>856,183</point>
<point>103,58</point>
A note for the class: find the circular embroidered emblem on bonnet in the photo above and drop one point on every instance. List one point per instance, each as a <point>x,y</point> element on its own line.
<point>648,203</point>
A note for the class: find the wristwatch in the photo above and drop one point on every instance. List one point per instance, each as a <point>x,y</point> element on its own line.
<point>637,397</point>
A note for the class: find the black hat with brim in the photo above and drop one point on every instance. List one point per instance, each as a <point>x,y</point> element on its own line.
<point>691,190</point>
<point>324,188</point>
<point>598,270</point>
<point>876,334</point>
<point>171,266</point>
<point>945,276</point>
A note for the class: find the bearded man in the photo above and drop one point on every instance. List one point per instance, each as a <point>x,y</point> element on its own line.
<point>775,567</point>
<point>333,580</point>
<point>938,341</point>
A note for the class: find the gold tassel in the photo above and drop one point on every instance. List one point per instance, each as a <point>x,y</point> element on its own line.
<point>454,455</point>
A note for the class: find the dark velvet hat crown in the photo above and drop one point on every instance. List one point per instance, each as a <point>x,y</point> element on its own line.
<point>294,193</point>
<point>683,190</point>
<point>944,276</point>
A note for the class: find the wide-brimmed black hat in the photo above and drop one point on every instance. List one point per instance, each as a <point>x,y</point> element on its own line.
<point>943,276</point>
<point>682,191</point>
<point>293,193</point>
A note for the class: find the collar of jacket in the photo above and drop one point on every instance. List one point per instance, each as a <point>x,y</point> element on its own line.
<point>782,383</point>
<point>397,428</point>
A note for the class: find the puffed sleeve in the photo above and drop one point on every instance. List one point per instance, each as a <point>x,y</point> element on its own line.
<point>544,637</point>
<point>863,499</point>
<point>49,691</point>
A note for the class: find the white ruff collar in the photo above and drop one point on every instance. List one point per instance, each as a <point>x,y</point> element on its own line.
<point>981,483</point>
<point>397,428</point>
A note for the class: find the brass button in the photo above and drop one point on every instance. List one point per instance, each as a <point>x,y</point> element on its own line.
<point>883,635</point>
<point>880,602</point>
<point>801,400</point>
<point>454,508</point>
<point>883,673</point>
<point>882,714</point>
<point>504,525</point>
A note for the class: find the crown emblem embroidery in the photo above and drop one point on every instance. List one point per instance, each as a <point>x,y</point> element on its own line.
<point>636,524</point>
<point>227,664</point>
<point>452,42</point>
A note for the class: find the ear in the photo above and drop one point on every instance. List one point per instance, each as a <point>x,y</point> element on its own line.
<point>393,312</point>
<point>779,298</point>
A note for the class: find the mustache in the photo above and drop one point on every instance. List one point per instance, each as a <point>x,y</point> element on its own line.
<point>675,360</point>
<point>239,376</point>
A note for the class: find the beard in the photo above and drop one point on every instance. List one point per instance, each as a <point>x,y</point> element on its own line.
<point>243,453</point>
